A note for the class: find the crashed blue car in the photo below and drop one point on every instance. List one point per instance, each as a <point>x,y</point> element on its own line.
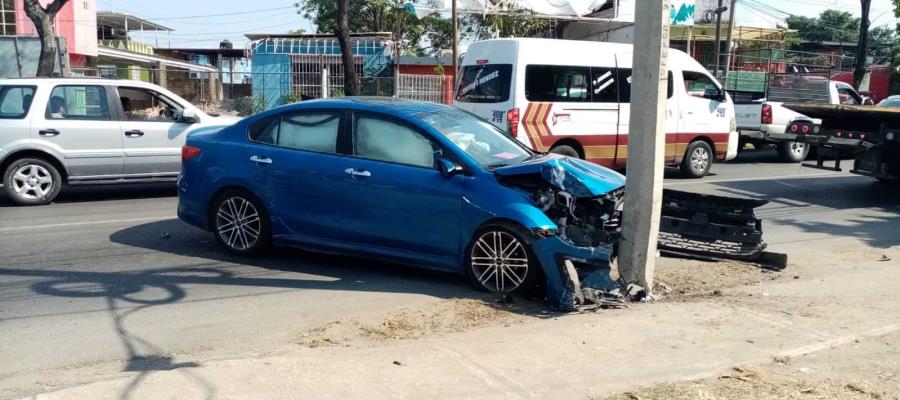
<point>411,182</point>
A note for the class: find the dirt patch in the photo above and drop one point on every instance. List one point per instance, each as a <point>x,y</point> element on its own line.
<point>445,316</point>
<point>749,384</point>
<point>684,279</point>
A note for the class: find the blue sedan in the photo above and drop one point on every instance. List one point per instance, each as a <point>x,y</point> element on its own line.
<point>411,182</point>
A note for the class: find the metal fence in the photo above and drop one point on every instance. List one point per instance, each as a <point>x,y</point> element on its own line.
<point>246,93</point>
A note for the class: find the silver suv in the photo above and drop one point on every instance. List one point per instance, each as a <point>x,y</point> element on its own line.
<point>56,131</point>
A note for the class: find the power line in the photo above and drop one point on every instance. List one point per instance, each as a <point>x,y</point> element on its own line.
<point>218,15</point>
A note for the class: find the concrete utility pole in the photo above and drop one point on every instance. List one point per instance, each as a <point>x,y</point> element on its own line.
<point>646,143</point>
<point>455,41</point>
<point>718,38</point>
<point>728,41</point>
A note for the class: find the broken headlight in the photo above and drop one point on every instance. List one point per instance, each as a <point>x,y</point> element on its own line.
<point>544,232</point>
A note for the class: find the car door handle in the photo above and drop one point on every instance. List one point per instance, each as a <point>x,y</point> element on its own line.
<point>134,133</point>
<point>355,172</point>
<point>48,132</point>
<point>261,160</point>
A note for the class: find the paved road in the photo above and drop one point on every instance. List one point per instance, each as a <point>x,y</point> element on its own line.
<point>110,279</point>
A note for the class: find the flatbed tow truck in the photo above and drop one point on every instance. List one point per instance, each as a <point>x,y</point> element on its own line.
<point>871,134</point>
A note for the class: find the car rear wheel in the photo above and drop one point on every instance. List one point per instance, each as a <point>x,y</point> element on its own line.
<point>500,260</point>
<point>792,152</point>
<point>31,181</point>
<point>241,223</point>
<point>565,150</point>
<point>698,158</point>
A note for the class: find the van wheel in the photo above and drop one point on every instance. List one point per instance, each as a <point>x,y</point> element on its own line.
<point>697,160</point>
<point>565,150</point>
<point>792,152</point>
<point>31,182</point>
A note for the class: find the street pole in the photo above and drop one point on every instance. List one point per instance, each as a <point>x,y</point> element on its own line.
<point>728,41</point>
<point>718,37</point>
<point>646,144</point>
<point>455,41</point>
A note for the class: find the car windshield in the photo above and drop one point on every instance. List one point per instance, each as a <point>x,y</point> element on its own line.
<point>481,140</point>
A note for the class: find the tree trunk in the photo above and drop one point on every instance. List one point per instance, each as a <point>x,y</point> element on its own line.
<point>342,30</point>
<point>42,17</point>
<point>863,45</point>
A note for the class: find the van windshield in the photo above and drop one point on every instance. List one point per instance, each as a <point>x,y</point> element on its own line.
<point>485,83</point>
<point>15,101</point>
<point>480,139</point>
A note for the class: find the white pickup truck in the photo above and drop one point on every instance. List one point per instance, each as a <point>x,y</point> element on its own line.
<point>765,122</point>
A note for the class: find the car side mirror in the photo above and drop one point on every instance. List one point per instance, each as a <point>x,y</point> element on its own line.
<point>867,101</point>
<point>187,116</point>
<point>714,94</point>
<point>449,168</point>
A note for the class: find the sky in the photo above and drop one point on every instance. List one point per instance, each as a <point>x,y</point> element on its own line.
<point>200,23</point>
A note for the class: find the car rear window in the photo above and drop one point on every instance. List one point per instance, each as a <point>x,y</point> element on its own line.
<point>487,83</point>
<point>15,101</point>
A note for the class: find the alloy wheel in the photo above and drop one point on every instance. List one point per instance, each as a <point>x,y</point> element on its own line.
<point>32,182</point>
<point>499,261</point>
<point>238,223</point>
<point>699,159</point>
<point>798,148</point>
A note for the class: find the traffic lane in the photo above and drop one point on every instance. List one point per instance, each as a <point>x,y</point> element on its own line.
<point>113,292</point>
<point>750,164</point>
<point>92,204</point>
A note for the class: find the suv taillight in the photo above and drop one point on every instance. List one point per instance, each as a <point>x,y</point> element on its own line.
<point>189,152</point>
<point>766,116</point>
<point>512,120</point>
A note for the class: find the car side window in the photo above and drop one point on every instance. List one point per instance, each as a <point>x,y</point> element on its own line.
<point>265,130</point>
<point>147,105</point>
<point>624,75</point>
<point>311,131</point>
<point>383,140</point>
<point>848,96</point>
<point>700,85</point>
<point>78,102</point>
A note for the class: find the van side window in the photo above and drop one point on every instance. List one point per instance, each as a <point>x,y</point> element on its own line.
<point>604,84</point>
<point>698,84</point>
<point>555,83</point>
<point>625,85</point>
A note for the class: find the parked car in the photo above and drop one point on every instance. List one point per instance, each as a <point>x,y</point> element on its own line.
<point>890,101</point>
<point>413,182</point>
<point>767,122</point>
<point>574,98</point>
<point>58,131</point>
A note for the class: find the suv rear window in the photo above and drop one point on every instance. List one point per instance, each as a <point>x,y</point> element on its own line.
<point>15,101</point>
<point>487,83</point>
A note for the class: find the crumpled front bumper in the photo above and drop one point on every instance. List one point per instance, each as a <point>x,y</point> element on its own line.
<point>569,269</point>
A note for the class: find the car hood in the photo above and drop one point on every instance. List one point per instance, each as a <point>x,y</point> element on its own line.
<point>578,177</point>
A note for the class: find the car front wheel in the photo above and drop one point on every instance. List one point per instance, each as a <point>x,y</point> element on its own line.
<point>31,181</point>
<point>500,260</point>
<point>241,223</point>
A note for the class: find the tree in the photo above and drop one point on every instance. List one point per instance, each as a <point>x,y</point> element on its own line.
<point>298,31</point>
<point>830,25</point>
<point>342,31</point>
<point>862,47</point>
<point>42,17</point>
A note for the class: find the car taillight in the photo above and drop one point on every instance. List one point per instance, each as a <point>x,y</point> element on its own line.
<point>794,128</point>
<point>805,129</point>
<point>512,119</point>
<point>766,117</point>
<point>189,152</point>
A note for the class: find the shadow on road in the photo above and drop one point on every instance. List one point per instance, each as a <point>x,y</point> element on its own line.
<point>129,292</point>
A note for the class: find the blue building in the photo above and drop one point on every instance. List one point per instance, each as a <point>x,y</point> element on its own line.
<point>288,68</point>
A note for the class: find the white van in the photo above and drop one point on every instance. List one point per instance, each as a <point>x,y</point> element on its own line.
<point>573,98</point>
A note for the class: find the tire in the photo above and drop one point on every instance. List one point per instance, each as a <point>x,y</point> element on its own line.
<point>241,223</point>
<point>566,150</point>
<point>792,152</point>
<point>698,159</point>
<point>31,182</point>
<point>518,269</point>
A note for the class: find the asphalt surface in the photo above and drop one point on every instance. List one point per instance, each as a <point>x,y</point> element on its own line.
<point>109,278</point>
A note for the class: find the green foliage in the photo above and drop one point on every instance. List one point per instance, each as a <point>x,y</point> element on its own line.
<point>830,25</point>
<point>259,103</point>
<point>298,31</point>
<point>510,22</point>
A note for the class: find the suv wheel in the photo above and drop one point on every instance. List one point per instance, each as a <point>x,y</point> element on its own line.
<point>697,160</point>
<point>31,181</point>
<point>240,223</point>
